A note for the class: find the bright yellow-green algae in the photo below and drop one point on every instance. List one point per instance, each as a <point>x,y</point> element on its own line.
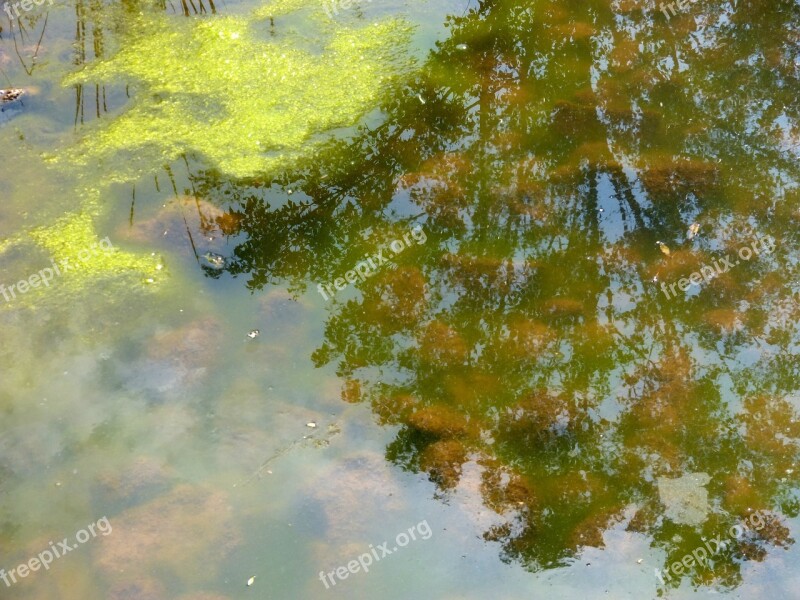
<point>225,88</point>
<point>74,238</point>
<point>249,101</point>
<point>71,236</point>
<point>282,7</point>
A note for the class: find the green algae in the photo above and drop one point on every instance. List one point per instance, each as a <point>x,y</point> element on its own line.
<point>283,7</point>
<point>248,95</point>
<point>82,258</point>
<point>228,89</point>
<point>70,238</point>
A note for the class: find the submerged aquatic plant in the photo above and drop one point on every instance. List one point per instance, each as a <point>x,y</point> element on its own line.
<point>250,94</point>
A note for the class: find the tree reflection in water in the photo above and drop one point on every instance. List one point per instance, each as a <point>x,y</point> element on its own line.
<point>546,149</point>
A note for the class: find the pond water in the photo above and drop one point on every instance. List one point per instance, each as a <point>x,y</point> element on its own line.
<point>383,299</point>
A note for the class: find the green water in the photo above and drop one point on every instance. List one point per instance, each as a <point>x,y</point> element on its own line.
<point>466,234</point>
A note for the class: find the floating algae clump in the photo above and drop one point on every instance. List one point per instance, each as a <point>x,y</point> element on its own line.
<point>249,95</point>
<point>73,240</point>
<point>685,498</point>
<point>79,257</point>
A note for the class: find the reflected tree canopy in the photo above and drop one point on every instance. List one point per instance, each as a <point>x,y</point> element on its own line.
<point>568,163</point>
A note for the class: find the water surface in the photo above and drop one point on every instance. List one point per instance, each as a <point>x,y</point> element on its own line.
<point>531,368</point>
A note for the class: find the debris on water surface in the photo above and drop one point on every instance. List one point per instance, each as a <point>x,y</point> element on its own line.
<point>694,228</point>
<point>317,440</point>
<point>7,96</point>
<point>254,334</point>
<point>10,103</point>
<point>685,498</point>
<point>215,260</point>
<point>664,248</point>
<point>251,581</point>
